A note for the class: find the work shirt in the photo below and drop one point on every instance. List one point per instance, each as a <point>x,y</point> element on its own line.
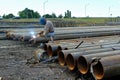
<point>49,28</point>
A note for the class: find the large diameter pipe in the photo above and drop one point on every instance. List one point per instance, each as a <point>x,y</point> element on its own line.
<point>107,67</point>
<point>72,58</point>
<point>37,54</point>
<point>84,61</point>
<point>9,35</point>
<point>111,45</point>
<point>75,35</point>
<point>52,50</point>
<point>16,37</point>
<point>63,53</point>
<point>25,38</point>
<point>39,40</point>
<point>69,45</point>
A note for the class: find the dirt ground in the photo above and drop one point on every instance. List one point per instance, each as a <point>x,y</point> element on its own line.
<point>13,58</point>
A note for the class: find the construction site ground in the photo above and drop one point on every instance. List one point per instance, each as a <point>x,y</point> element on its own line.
<point>14,56</point>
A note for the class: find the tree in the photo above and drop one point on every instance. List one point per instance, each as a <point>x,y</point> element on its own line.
<point>47,16</point>
<point>54,15</point>
<point>8,16</point>
<point>36,15</point>
<point>60,16</point>
<point>28,13</point>
<point>67,14</point>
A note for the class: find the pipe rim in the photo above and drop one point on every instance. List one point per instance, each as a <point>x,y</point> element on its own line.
<point>50,51</point>
<point>82,65</point>
<point>45,47</point>
<point>22,38</point>
<point>59,49</point>
<point>61,58</point>
<point>98,70</point>
<point>70,62</point>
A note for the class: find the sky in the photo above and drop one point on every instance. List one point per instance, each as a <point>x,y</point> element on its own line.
<point>78,8</point>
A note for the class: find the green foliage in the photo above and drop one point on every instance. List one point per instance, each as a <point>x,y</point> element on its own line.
<point>28,13</point>
<point>67,14</point>
<point>8,16</point>
<point>60,16</point>
<point>54,15</point>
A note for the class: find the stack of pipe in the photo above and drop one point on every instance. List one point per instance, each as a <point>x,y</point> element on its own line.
<point>71,59</point>
<point>62,55</point>
<point>76,35</point>
<point>54,49</point>
<point>84,61</point>
<point>75,58</point>
<point>67,33</point>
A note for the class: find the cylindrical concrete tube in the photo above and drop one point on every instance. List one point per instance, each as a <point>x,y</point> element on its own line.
<point>107,67</point>
<point>72,58</point>
<point>84,61</point>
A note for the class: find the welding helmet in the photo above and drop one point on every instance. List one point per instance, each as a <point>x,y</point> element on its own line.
<point>42,20</point>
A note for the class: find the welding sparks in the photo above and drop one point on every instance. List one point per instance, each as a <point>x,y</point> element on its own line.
<point>33,34</point>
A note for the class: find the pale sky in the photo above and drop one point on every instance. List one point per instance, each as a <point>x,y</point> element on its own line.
<point>78,8</point>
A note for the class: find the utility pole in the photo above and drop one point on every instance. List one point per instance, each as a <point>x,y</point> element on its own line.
<point>86,9</point>
<point>44,7</point>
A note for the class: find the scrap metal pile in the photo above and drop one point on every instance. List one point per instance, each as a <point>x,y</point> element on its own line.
<point>99,58</point>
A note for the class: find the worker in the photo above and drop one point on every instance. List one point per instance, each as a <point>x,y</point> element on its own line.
<point>48,29</point>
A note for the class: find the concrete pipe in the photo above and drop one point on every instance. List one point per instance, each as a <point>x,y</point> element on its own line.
<point>72,58</point>
<point>107,67</point>
<point>84,61</point>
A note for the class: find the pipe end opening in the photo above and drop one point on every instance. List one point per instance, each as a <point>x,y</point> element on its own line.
<point>82,65</point>
<point>98,70</point>
<point>70,62</point>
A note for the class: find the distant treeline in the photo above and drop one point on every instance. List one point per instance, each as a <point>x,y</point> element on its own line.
<point>67,22</point>
<point>29,13</point>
